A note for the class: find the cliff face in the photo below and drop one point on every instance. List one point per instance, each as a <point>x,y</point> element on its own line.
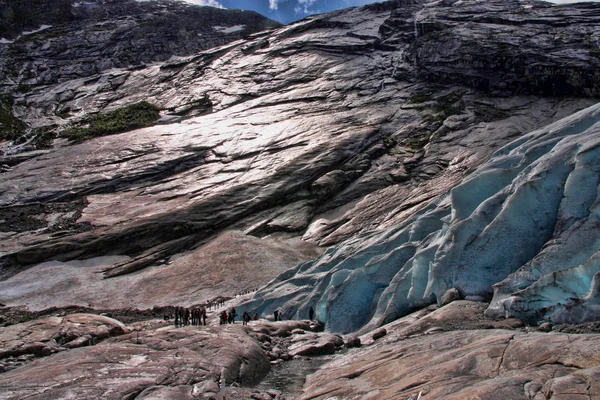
<point>505,48</point>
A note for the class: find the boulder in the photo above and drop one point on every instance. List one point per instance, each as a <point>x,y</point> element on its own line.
<point>545,327</point>
<point>353,341</point>
<point>378,334</point>
<point>315,344</point>
<point>85,340</point>
<point>449,296</point>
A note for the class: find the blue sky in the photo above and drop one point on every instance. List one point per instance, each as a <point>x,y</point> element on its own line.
<point>286,11</point>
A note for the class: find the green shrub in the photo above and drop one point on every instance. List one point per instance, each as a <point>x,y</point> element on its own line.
<point>134,116</point>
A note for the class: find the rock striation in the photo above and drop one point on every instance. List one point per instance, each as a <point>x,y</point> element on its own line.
<point>444,363</point>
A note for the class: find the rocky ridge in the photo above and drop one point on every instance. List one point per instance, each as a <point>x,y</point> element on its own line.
<point>50,42</point>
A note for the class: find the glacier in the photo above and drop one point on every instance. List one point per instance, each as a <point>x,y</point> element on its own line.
<point>520,231</point>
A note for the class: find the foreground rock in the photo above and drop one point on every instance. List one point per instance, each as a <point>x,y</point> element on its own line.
<point>169,362</point>
<point>45,336</point>
<point>459,364</point>
<point>467,364</point>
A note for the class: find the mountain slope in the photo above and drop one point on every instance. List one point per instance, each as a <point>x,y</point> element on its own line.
<point>328,129</point>
<point>47,42</point>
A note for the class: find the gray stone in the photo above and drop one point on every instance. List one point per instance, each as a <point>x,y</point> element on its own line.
<point>85,340</point>
<point>353,341</point>
<point>449,296</point>
<point>545,327</point>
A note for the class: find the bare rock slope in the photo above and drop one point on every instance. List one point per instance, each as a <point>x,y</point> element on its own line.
<point>326,129</point>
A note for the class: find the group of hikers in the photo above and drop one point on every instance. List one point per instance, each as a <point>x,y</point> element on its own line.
<point>228,317</point>
<point>184,316</point>
<point>197,315</point>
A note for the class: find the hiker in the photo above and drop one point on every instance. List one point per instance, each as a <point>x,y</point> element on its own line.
<point>176,316</point>
<point>276,314</point>
<point>311,313</point>
<point>245,317</point>
<point>186,320</point>
<point>223,317</point>
<point>203,315</point>
<point>255,316</point>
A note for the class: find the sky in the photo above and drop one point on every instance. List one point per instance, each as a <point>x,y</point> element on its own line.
<point>286,11</point>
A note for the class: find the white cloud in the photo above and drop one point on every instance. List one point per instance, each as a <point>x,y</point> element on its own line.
<point>273,4</point>
<point>211,3</point>
<point>303,6</point>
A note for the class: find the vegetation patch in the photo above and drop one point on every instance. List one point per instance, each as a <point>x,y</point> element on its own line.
<point>417,143</point>
<point>44,138</point>
<point>11,127</point>
<point>420,98</point>
<point>134,116</point>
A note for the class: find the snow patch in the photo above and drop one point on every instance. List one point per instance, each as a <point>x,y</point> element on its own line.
<point>229,29</point>
<point>41,28</point>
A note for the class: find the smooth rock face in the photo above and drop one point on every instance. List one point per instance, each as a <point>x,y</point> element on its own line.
<point>230,264</point>
<point>46,336</point>
<point>491,364</point>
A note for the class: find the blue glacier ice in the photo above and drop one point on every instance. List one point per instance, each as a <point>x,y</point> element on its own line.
<point>522,231</point>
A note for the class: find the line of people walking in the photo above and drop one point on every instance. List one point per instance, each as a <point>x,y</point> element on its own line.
<point>184,316</point>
